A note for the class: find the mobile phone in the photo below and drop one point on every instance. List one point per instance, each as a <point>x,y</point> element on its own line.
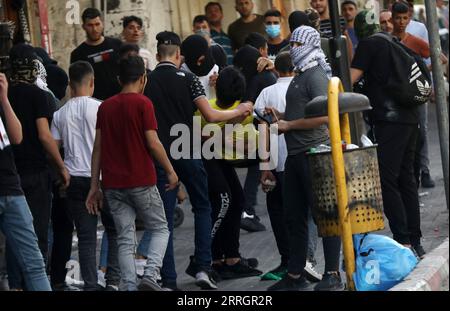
<point>264,118</point>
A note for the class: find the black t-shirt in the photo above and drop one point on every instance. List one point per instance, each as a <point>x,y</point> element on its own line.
<point>30,103</point>
<point>9,179</point>
<point>173,93</point>
<point>373,57</point>
<point>274,49</point>
<point>104,59</point>
<point>257,84</point>
<point>325,27</point>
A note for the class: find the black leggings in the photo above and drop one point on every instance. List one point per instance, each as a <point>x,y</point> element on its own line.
<point>227,201</point>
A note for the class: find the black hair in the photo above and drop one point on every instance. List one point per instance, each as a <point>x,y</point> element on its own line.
<point>347,2</point>
<point>79,70</point>
<point>22,51</point>
<point>257,40</point>
<point>210,4</point>
<point>131,69</point>
<point>230,86</point>
<point>400,8</point>
<point>274,13</point>
<point>199,19</point>
<point>129,19</point>
<point>90,13</point>
<point>127,48</point>
<point>283,63</point>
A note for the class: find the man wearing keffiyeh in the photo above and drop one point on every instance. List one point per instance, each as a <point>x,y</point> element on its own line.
<point>306,50</point>
<point>311,81</point>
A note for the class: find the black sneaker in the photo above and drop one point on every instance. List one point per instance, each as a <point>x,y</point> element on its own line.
<point>65,288</point>
<point>238,271</point>
<point>290,284</point>
<point>420,252</point>
<point>427,181</point>
<point>251,262</point>
<point>252,225</point>
<point>331,281</point>
<point>111,288</point>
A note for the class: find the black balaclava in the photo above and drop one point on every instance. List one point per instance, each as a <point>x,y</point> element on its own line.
<point>192,49</point>
<point>297,19</point>
<point>246,60</point>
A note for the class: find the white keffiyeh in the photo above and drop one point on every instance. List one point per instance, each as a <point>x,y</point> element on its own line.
<point>310,53</point>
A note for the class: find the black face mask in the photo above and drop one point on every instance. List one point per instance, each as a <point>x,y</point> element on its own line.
<point>204,68</point>
<point>193,48</point>
<point>246,59</point>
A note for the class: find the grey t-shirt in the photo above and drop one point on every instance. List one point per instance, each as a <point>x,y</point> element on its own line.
<point>304,88</point>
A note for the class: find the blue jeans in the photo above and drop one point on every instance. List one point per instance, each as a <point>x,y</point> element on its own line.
<point>124,205</point>
<point>193,175</point>
<point>169,198</point>
<point>16,223</point>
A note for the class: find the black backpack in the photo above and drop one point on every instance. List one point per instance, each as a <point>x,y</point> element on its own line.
<point>409,83</point>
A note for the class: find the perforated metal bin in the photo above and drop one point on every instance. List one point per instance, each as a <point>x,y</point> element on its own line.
<point>365,201</point>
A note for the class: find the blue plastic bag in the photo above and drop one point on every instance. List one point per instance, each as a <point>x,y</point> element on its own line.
<point>381,262</point>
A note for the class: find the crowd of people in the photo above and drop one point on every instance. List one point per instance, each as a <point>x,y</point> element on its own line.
<point>106,151</point>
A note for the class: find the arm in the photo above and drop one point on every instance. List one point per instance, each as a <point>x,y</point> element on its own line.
<point>356,74</point>
<point>94,200</point>
<point>50,146</point>
<point>159,154</point>
<point>214,116</point>
<point>13,126</point>
<point>349,47</point>
<point>301,124</point>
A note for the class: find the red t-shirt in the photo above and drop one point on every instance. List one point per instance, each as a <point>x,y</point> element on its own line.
<point>125,160</point>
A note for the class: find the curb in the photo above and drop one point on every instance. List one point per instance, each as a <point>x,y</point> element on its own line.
<point>431,274</point>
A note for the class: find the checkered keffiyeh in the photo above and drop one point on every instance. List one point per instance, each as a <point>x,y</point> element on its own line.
<point>310,50</point>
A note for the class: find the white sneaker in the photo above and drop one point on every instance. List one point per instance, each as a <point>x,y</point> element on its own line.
<point>140,266</point>
<point>204,281</point>
<point>101,278</point>
<point>311,274</point>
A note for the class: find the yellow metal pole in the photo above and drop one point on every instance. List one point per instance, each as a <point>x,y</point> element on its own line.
<point>345,129</point>
<point>334,88</point>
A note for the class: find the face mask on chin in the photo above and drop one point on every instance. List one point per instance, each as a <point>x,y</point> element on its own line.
<point>203,33</point>
<point>273,31</point>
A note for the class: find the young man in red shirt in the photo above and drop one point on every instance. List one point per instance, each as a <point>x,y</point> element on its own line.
<point>125,145</point>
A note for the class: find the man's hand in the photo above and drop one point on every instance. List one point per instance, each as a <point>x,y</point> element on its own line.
<point>94,201</point>
<point>173,181</point>
<point>266,178</point>
<point>65,178</point>
<point>265,64</point>
<point>245,109</point>
<point>3,88</point>
<point>213,79</point>
<point>274,113</point>
<point>283,126</point>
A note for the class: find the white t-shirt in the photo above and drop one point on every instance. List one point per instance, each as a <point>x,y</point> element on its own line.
<point>74,124</point>
<point>274,96</point>
<point>209,91</point>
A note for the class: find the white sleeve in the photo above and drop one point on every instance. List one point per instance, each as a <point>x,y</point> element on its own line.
<point>54,128</point>
<point>261,101</point>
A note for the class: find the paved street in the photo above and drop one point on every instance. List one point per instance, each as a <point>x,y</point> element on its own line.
<point>262,245</point>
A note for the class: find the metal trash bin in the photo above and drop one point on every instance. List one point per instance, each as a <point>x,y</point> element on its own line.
<point>363,187</point>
